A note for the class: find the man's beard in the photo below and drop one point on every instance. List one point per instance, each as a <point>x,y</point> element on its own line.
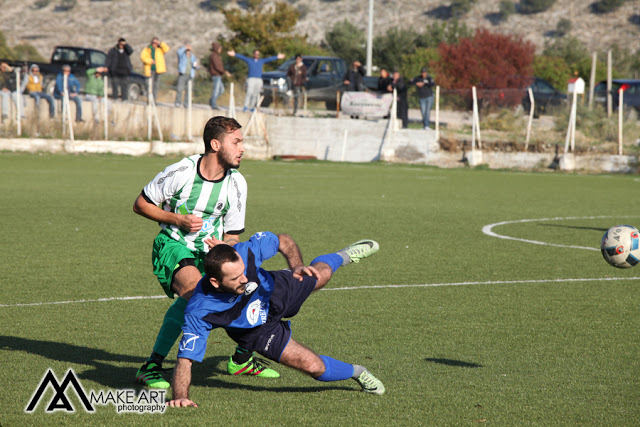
<point>225,161</point>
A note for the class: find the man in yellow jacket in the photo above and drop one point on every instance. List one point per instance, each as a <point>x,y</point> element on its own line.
<point>152,57</point>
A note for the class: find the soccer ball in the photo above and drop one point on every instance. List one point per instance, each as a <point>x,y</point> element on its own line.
<point>620,246</point>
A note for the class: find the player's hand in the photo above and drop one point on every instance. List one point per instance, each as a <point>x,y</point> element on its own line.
<point>305,270</point>
<point>281,56</point>
<point>212,241</point>
<point>190,222</point>
<point>231,52</point>
<point>181,403</point>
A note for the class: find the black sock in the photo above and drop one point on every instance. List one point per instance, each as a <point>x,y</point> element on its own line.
<point>241,355</point>
<point>156,358</point>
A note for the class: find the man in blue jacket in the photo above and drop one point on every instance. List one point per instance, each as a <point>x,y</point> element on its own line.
<point>73,88</point>
<point>254,79</point>
<point>249,303</point>
<point>187,66</point>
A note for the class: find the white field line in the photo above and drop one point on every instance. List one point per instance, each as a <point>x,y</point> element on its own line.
<point>355,288</point>
<point>488,230</point>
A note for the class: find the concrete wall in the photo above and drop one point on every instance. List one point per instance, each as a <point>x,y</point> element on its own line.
<point>342,139</point>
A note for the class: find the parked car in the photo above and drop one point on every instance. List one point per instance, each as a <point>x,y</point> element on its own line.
<point>631,93</point>
<point>545,97</point>
<point>80,59</point>
<point>325,74</point>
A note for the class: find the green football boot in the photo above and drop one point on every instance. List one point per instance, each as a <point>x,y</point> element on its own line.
<point>361,249</point>
<point>149,375</point>
<point>253,366</point>
<point>369,383</point>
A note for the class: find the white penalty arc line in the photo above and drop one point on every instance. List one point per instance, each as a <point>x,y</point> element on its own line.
<point>488,230</point>
<point>353,288</point>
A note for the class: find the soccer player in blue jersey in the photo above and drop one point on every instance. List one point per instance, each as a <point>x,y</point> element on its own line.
<point>236,294</point>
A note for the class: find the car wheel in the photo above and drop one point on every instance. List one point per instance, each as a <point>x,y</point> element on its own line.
<point>133,92</point>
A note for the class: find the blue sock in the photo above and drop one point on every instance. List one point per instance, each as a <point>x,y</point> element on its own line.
<point>333,260</point>
<point>335,370</point>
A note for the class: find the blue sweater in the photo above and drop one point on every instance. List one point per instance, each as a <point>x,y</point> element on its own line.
<point>255,65</point>
<point>73,85</point>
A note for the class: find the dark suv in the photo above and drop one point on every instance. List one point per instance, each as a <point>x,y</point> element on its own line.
<point>325,74</point>
<point>631,93</point>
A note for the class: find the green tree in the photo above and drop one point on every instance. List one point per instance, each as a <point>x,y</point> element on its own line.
<point>606,6</point>
<point>459,8</point>
<point>553,69</point>
<point>346,41</point>
<point>263,26</point>
<point>507,8</point>
<point>571,49</point>
<point>26,52</point>
<point>389,49</point>
<point>448,32</point>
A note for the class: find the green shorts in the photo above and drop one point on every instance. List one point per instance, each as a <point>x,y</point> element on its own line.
<point>166,256</point>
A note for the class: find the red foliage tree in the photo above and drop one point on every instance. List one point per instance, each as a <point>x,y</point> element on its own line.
<point>499,66</point>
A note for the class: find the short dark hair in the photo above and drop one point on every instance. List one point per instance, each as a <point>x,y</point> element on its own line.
<point>217,256</point>
<point>120,40</point>
<point>215,128</point>
<point>298,56</point>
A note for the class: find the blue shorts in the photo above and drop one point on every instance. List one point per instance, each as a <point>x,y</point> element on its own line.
<point>271,338</point>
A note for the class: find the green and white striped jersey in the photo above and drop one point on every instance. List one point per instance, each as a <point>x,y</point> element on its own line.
<point>221,204</point>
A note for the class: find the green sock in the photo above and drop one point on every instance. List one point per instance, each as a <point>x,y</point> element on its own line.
<point>171,327</point>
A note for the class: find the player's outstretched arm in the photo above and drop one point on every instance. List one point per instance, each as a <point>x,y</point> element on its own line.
<point>291,251</point>
<point>181,383</point>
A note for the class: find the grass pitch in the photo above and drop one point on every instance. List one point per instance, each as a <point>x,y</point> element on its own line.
<point>522,324</point>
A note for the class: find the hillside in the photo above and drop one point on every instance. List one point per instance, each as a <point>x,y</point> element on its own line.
<point>99,23</point>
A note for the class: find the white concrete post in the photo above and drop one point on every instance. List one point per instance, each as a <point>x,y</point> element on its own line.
<point>189,94</point>
<point>437,113</point>
<point>533,108</point>
<point>394,111</point>
<point>592,78</point>
<point>620,115</point>
<point>571,129</point>
<point>232,102</point>
<point>149,104</point>
<point>68,109</point>
<point>18,102</point>
<point>105,106</point>
<point>609,99</point>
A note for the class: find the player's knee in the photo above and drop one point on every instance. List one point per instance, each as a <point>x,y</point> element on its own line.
<point>315,368</point>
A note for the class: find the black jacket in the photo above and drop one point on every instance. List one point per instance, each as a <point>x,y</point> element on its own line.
<point>118,63</point>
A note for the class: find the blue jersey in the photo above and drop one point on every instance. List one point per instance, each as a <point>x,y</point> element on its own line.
<point>208,309</point>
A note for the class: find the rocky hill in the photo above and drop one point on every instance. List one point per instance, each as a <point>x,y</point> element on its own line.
<point>99,23</point>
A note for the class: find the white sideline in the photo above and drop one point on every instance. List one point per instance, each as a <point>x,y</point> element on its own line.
<point>353,288</point>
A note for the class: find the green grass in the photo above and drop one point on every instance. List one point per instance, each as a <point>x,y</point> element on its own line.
<point>530,335</point>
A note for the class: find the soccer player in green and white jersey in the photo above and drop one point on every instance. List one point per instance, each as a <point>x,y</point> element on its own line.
<point>199,197</point>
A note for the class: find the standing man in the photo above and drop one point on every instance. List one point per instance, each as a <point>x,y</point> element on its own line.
<point>424,83</point>
<point>187,66</point>
<point>119,65</point>
<point>254,78</point>
<point>249,303</point>
<point>200,197</point>
<point>402,102</point>
<point>353,77</point>
<point>94,90</point>
<point>216,69</point>
<point>152,58</point>
<point>73,89</point>
<point>297,76</point>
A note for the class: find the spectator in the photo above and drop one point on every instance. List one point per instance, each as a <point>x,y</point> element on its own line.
<point>353,77</point>
<point>424,83</point>
<point>73,89</point>
<point>33,85</point>
<point>119,65</point>
<point>187,66</point>
<point>297,76</point>
<point>384,81</point>
<point>402,103</point>
<point>254,77</point>
<point>94,90</point>
<point>8,90</point>
<point>152,57</point>
<point>216,69</point>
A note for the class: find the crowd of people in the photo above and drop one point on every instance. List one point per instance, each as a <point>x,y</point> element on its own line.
<point>118,67</point>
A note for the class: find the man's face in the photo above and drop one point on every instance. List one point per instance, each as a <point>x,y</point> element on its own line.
<point>36,70</point>
<point>155,42</point>
<point>233,279</point>
<point>121,45</point>
<point>299,59</point>
<point>256,54</point>
<point>231,149</point>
